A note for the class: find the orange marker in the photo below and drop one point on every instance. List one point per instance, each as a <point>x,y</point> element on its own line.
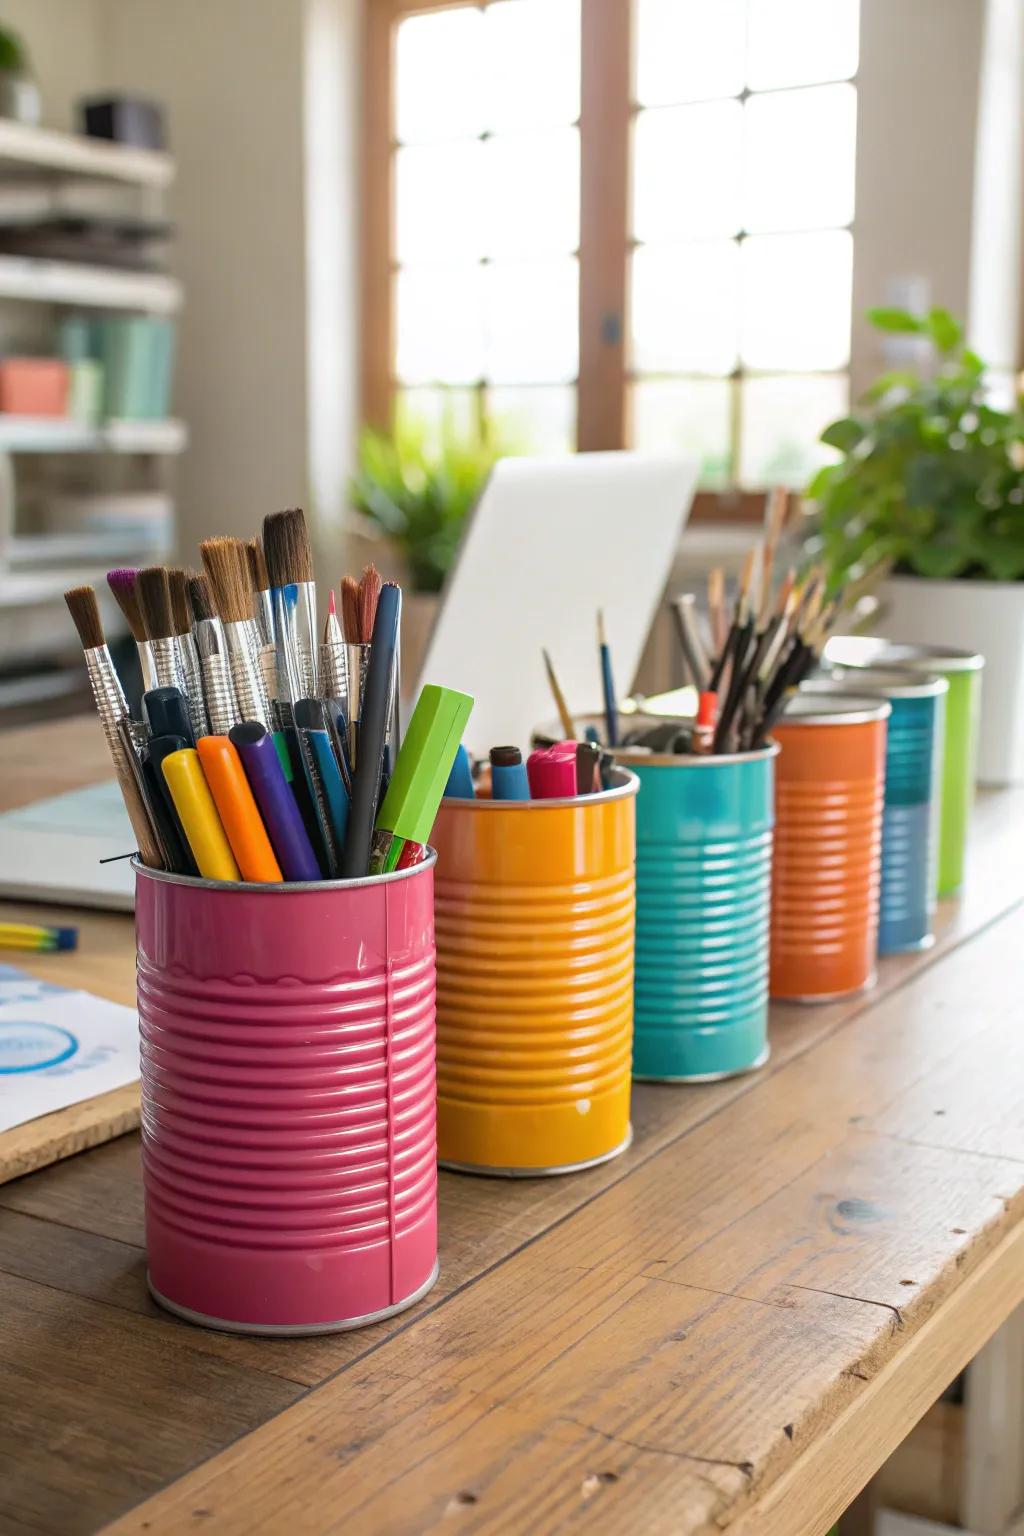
<point>237,809</point>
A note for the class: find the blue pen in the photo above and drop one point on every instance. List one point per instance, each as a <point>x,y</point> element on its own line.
<point>460,780</point>
<point>508,774</point>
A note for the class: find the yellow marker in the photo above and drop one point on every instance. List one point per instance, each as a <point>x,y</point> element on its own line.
<point>198,815</point>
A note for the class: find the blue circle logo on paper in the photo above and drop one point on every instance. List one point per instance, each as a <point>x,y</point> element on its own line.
<point>26,1046</point>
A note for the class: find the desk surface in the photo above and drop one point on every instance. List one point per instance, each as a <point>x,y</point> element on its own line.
<point>731,1326</point>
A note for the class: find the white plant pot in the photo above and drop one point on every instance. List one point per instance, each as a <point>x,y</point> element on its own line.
<point>985,616</point>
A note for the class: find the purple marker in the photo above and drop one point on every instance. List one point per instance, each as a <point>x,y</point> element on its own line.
<point>281,815</point>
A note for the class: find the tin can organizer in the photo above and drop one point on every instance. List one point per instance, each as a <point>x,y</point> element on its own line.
<point>830,781</point>
<point>910,817</point>
<point>704,857</point>
<point>288,1098</point>
<point>535,916</point>
<point>962,671</point>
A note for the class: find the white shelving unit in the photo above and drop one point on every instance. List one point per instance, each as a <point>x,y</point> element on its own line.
<point>36,568</point>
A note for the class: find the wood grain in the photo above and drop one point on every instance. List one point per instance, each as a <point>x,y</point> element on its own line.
<point>738,1334</point>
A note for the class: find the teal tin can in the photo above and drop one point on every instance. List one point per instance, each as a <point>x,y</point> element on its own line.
<point>910,814</point>
<point>704,828</point>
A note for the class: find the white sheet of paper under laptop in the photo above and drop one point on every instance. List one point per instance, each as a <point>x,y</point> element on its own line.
<point>550,542</point>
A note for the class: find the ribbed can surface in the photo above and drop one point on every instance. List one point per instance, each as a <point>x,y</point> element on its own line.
<point>535,917</point>
<point>829,791</point>
<point>288,1098</point>
<point>910,819</point>
<point>963,672</point>
<point>704,858</point>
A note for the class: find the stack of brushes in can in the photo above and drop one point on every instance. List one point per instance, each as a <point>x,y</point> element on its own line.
<point>755,657</point>
<point>268,751</point>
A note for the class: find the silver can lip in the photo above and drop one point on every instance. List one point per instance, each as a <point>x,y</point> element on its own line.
<point>889,682</point>
<point>281,887</point>
<point>834,709</point>
<point>628,785</point>
<point>875,651</point>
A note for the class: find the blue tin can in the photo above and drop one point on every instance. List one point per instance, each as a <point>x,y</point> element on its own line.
<point>910,818</point>
<point>703,888</point>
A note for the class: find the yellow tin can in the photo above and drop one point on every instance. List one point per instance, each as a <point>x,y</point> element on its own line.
<point>535,905</point>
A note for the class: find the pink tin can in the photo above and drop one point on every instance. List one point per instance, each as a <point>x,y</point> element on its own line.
<point>288,1098</point>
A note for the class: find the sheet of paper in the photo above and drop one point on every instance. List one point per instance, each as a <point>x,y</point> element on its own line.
<point>59,1047</point>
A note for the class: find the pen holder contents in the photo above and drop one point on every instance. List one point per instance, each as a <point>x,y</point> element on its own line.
<point>910,819</point>
<point>962,671</point>
<point>829,789</point>
<point>703,888</point>
<point>535,914</point>
<point>288,1098</point>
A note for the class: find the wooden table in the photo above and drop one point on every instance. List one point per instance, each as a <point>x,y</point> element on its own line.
<point>731,1326</point>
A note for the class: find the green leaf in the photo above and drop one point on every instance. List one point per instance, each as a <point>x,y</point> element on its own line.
<point>886,383</point>
<point>971,363</point>
<point>946,332</point>
<point>844,434</point>
<point>900,320</point>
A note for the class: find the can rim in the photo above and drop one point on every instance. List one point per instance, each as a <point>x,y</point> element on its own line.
<point>641,759</point>
<point>875,650</point>
<point>628,786</point>
<point>281,887</point>
<point>888,682</point>
<point>848,709</point>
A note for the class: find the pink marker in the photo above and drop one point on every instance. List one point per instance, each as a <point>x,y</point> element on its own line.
<point>552,772</point>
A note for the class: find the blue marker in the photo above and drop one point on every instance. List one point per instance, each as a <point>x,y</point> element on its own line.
<point>460,780</point>
<point>508,774</point>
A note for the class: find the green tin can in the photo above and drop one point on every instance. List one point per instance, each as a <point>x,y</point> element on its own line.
<point>962,670</point>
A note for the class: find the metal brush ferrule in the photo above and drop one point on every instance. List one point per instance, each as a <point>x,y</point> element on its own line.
<point>218,693</point>
<point>305,635</point>
<point>246,678</point>
<point>357,666</point>
<point>194,685</point>
<point>266,660</point>
<point>167,664</point>
<point>146,666</point>
<point>291,677</point>
<point>334,672</point>
<point>265,618</point>
<point>112,709</point>
<point>106,690</point>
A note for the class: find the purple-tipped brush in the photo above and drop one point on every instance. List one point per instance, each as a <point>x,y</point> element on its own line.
<point>122,584</point>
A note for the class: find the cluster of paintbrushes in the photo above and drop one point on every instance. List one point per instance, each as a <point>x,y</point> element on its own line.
<point>265,752</point>
<point>774,640</point>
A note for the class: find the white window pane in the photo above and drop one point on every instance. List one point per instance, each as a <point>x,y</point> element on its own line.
<point>685,307</point>
<point>532,50</point>
<point>796,301</point>
<point>439,411</point>
<point>438,202</point>
<point>534,420</point>
<point>532,320</point>
<point>439,76</point>
<point>688,416</point>
<point>532,187</point>
<point>689,50</point>
<point>440,325</point>
<point>780,423</point>
<point>799,161</point>
<point>686,171</point>
<point>801,42</point>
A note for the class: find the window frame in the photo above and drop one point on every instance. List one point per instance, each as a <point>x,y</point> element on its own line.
<point>607,111</point>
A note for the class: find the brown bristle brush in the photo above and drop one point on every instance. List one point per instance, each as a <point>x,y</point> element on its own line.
<point>154,592</point>
<point>289,558</point>
<point>181,612</point>
<point>123,584</point>
<point>226,563</point>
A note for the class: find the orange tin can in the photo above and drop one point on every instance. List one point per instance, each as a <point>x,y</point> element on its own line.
<point>826,878</point>
<point>534,908</point>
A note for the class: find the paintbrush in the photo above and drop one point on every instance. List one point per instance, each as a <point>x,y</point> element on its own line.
<point>122,583</point>
<point>181,611</point>
<point>153,588</point>
<point>260,578</point>
<point>227,565</point>
<point>112,709</point>
<point>611,715</point>
<point>290,569</point>
<point>333,661</point>
<point>684,614</point>
<point>737,647</point>
<point>776,507</point>
<point>716,610</point>
<point>559,697</point>
<point>215,669</point>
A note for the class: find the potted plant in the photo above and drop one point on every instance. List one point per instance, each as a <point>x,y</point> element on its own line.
<point>931,478</point>
<point>415,487</point>
<point>19,94</point>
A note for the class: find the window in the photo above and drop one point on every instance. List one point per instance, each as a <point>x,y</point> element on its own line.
<point>702,302</point>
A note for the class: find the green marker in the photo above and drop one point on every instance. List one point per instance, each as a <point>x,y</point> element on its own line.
<point>421,773</point>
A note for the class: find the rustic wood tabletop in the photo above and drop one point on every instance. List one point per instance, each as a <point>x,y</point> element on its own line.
<point>729,1327</point>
